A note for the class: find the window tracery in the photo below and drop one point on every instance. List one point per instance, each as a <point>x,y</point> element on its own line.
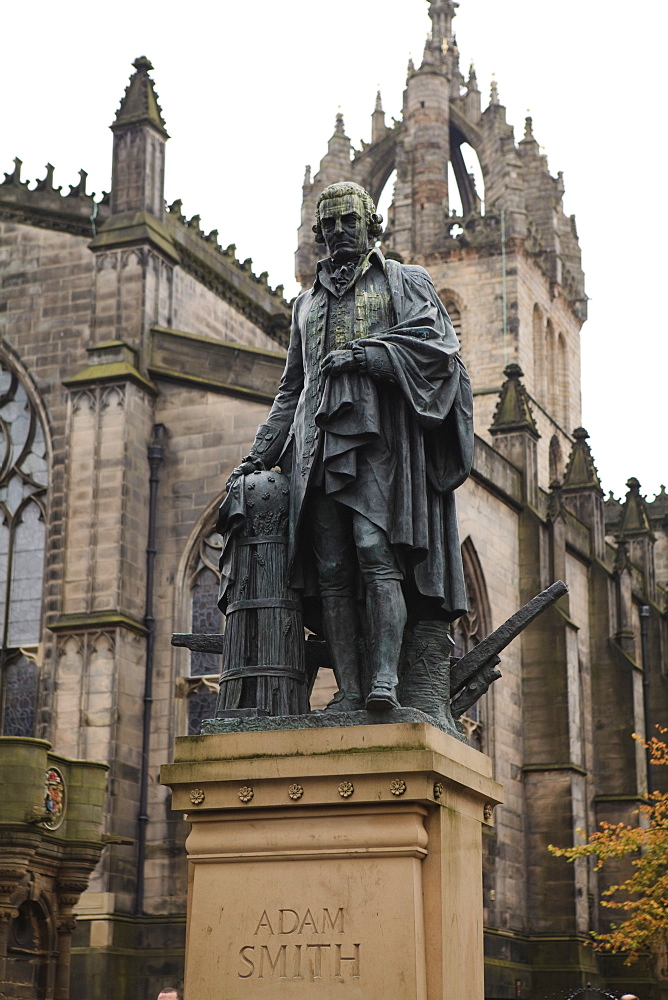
<point>202,684</point>
<point>455,318</point>
<point>470,629</point>
<point>23,486</point>
<point>453,306</point>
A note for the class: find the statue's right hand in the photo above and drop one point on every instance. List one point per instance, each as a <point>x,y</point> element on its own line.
<point>247,466</point>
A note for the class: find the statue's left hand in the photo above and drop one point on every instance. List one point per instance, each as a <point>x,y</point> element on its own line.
<point>247,466</point>
<point>338,362</point>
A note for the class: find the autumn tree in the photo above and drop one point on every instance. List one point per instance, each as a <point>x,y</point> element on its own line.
<point>644,894</point>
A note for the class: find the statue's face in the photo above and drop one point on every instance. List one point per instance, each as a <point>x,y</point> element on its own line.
<point>344,227</point>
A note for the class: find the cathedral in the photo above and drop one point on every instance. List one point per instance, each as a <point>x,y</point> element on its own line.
<point>137,358</point>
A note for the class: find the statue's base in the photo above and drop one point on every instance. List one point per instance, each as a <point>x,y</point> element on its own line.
<point>230,723</point>
<point>337,861</point>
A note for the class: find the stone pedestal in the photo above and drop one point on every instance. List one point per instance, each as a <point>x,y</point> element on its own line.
<point>334,863</point>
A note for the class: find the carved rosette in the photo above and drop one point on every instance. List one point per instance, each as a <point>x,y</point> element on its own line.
<point>246,793</point>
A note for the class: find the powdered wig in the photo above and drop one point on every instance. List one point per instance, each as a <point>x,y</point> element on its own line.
<point>374,222</point>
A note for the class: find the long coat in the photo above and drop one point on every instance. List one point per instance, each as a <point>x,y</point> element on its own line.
<point>392,448</point>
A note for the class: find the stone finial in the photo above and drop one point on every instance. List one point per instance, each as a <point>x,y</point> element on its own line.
<point>307,174</point>
<point>339,127</point>
<point>472,82</point>
<point>79,190</point>
<point>14,179</point>
<point>139,105</point>
<point>176,209</point>
<point>659,505</point>
<point>494,94</point>
<point>513,411</point>
<point>411,67</point>
<point>46,184</point>
<point>634,514</point>
<point>378,127</point>
<point>613,514</point>
<point>528,128</point>
<point>581,472</point>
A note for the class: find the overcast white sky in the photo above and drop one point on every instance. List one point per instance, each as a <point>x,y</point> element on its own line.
<point>250,89</point>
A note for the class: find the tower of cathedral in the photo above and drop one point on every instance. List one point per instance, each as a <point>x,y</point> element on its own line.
<point>137,357</point>
<point>509,273</point>
<point>593,672</point>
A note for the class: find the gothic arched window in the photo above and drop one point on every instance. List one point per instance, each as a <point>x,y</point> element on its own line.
<point>550,369</point>
<point>561,377</point>
<point>471,628</point>
<point>23,484</point>
<point>539,355</point>
<point>205,618</point>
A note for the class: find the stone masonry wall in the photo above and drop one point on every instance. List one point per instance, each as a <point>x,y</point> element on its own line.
<point>475,284</point>
<point>208,434</point>
<point>492,526</point>
<point>196,309</point>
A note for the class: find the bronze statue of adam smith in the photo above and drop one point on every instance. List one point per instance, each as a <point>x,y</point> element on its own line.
<point>373,423</point>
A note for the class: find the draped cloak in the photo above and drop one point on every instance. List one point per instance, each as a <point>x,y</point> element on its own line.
<point>393,448</point>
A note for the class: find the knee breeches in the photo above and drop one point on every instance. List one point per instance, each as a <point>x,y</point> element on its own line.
<point>343,540</point>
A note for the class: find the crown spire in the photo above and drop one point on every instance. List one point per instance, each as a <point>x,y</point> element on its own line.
<point>441,13</point>
<point>139,105</point>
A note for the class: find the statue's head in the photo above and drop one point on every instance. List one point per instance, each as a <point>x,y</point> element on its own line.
<point>346,220</point>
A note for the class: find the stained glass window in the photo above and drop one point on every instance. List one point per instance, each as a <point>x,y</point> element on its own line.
<point>20,699</point>
<point>205,619</point>
<point>201,703</point>
<point>23,482</point>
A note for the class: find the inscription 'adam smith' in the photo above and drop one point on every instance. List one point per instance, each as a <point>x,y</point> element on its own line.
<point>303,960</point>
